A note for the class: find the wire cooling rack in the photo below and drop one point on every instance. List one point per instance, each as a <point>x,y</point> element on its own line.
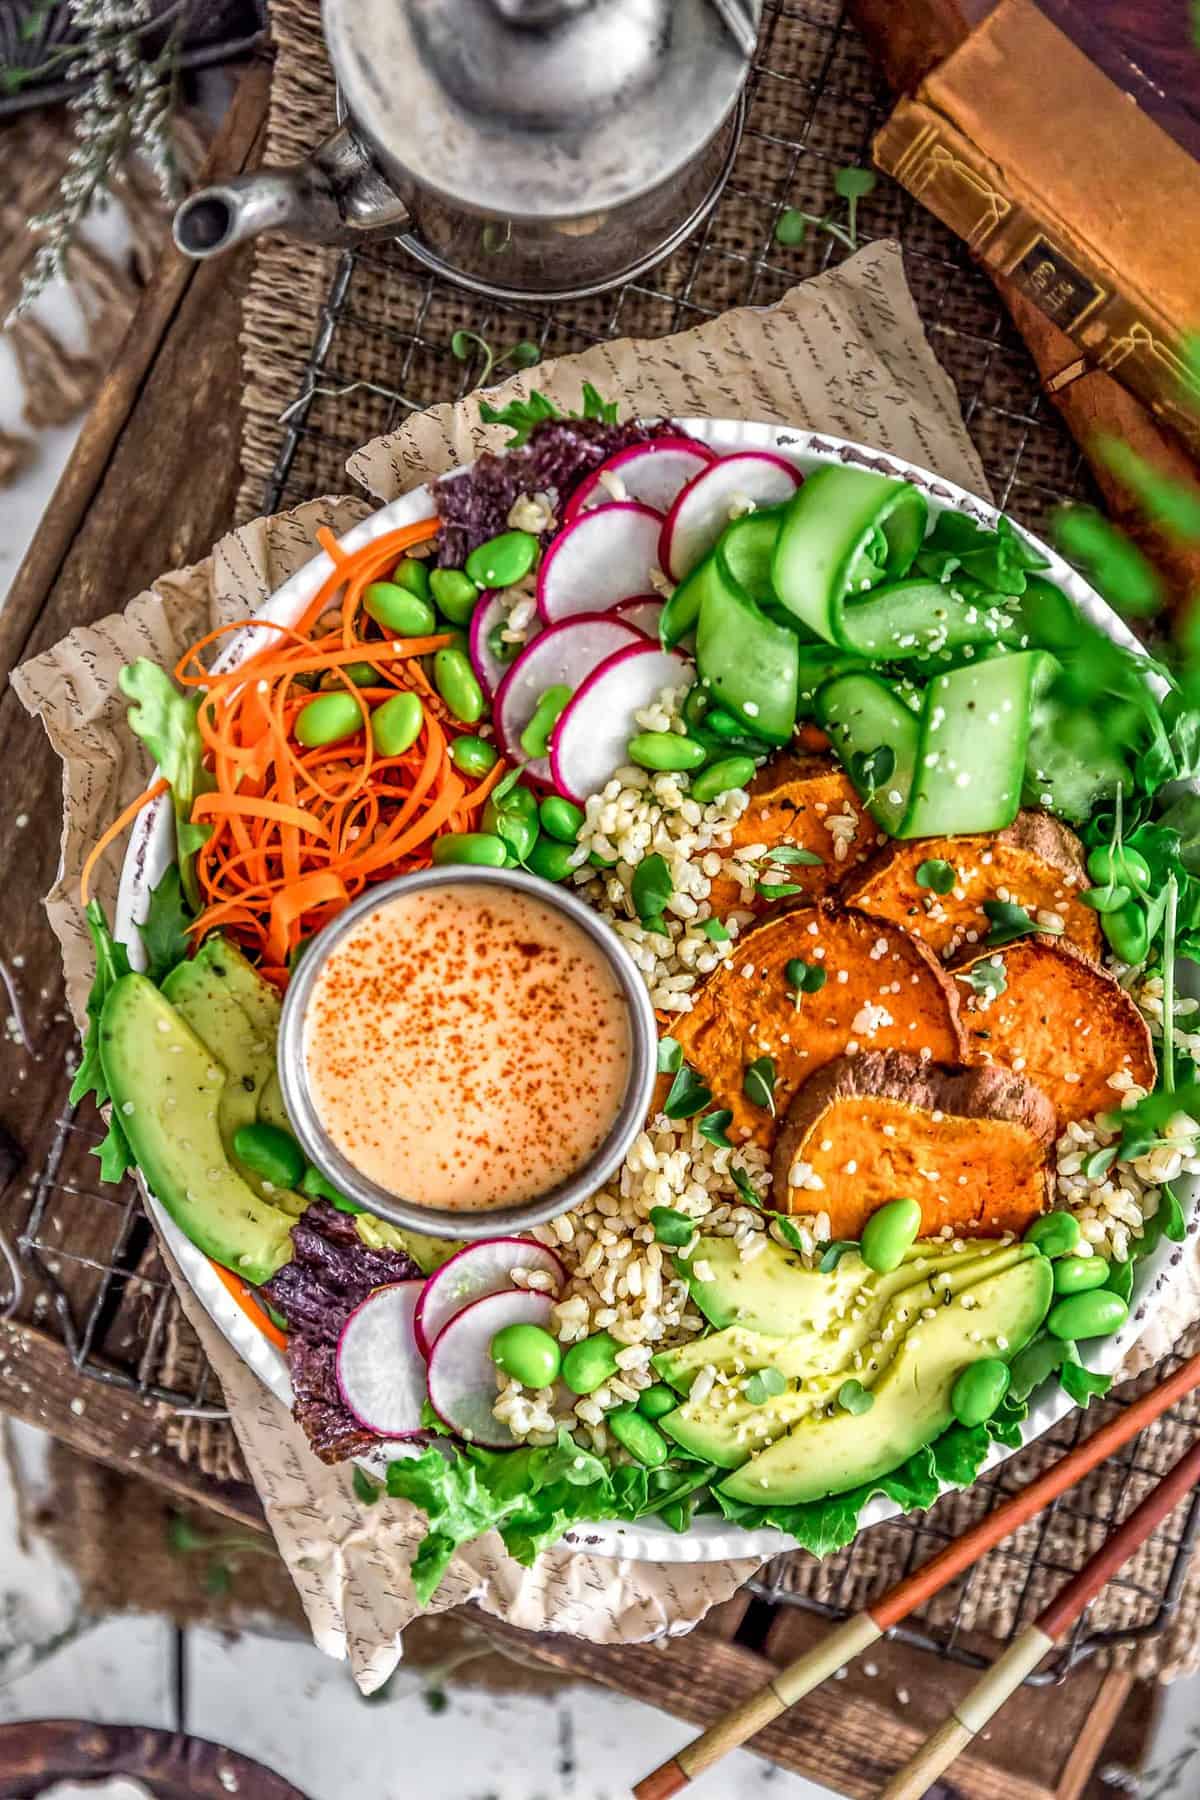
<point>382,349</point>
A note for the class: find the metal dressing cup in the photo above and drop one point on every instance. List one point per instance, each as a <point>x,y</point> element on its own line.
<point>525,149</point>
<point>495,1221</point>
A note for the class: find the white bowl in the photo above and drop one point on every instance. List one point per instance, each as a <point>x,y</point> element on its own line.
<point>709,1538</point>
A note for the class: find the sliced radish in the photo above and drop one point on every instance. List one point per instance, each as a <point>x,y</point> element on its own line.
<point>492,609</point>
<point>592,736</point>
<point>480,1269</point>
<point>703,510</point>
<point>563,654</point>
<point>642,613</point>
<point>380,1374</point>
<point>462,1375</point>
<point>652,473</point>
<point>601,557</point>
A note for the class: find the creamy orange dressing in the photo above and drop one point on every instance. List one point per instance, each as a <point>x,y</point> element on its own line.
<point>467,1046</point>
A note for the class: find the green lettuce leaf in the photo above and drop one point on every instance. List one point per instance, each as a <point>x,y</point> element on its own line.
<point>165,720</point>
<point>112,961</point>
<point>522,416</point>
<point>165,930</point>
<point>530,1496</point>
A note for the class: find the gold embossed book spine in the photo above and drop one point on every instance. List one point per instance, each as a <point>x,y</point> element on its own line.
<point>1054,176</point>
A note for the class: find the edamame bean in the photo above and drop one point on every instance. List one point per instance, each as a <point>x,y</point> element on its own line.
<point>644,1441</point>
<point>721,777</point>
<point>888,1233</point>
<point>362,674</point>
<point>396,725</point>
<point>502,560</point>
<point>398,609</point>
<point>535,739</point>
<point>1055,1233</point>
<point>562,819</point>
<point>1079,1274</point>
<point>473,756</point>
<point>1087,1315</point>
<point>1111,863</point>
<point>1127,932</point>
<point>501,647</point>
<point>313,1182</point>
<point>328,719</point>
<point>979,1389</point>
<point>549,860</point>
<point>657,1400</point>
<point>666,750</point>
<point>588,1365</point>
<point>270,1152</point>
<point>478,847</point>
<point>412,574</point>
<point>722,724</point>
<point>454,594</point>
<point>455,681</point>
<point>527,1353</point>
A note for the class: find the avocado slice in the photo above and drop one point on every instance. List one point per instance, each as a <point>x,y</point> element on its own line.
<point>777,1293</point>
<point>774,1293</point>
<point>217,995</point>
<point>271,1109</point>
<point>726,1428</point>
<point>806,1348</point>
<point>166,1084</point>
<point>833,1450</point>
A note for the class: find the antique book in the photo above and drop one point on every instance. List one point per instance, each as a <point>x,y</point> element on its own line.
<point>1053,173</point>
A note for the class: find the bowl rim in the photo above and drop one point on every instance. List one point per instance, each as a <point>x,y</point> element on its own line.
<point>496,1221</point>
<point>150,849</point>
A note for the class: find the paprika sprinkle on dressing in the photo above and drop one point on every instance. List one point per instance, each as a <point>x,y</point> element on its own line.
<point>467,1046</point>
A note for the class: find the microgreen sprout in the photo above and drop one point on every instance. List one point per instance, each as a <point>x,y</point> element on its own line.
<point>465,344</point>
<point>851,185</point>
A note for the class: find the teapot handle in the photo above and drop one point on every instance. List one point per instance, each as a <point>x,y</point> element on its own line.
<point>337,196</point>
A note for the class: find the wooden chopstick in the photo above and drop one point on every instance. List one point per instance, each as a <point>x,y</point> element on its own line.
<point>842,1645</point>
<point>1025,1653</point>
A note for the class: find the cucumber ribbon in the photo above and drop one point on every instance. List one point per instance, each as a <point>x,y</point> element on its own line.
<point>956,764</point>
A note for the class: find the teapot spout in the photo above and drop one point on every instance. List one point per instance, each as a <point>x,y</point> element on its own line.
<point>337,196</point>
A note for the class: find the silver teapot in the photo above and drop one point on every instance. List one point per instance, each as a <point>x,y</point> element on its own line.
<point>525,149</point>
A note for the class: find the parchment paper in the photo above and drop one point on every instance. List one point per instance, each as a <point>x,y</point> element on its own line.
<point>844,353</point>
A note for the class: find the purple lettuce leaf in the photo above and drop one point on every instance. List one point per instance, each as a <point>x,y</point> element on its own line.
<point>474,506</point>
<point>331,1272</point>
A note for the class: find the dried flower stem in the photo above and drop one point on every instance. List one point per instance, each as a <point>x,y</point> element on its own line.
<point>123,108</point>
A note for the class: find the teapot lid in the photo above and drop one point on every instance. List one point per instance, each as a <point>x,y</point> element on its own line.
<point>539,109</point>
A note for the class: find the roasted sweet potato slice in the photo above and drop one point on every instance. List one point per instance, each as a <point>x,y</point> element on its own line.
<point>792,800</point>
<point>971,1145</point>
<point>1061,1021</point>
<point>1037,862</point>
<point>882,989</point>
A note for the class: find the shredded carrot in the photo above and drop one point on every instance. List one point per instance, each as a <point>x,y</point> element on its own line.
<point>249,1305</point>
<point>297,831</point>
<point>811,737</point>
<point>113,832</point>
